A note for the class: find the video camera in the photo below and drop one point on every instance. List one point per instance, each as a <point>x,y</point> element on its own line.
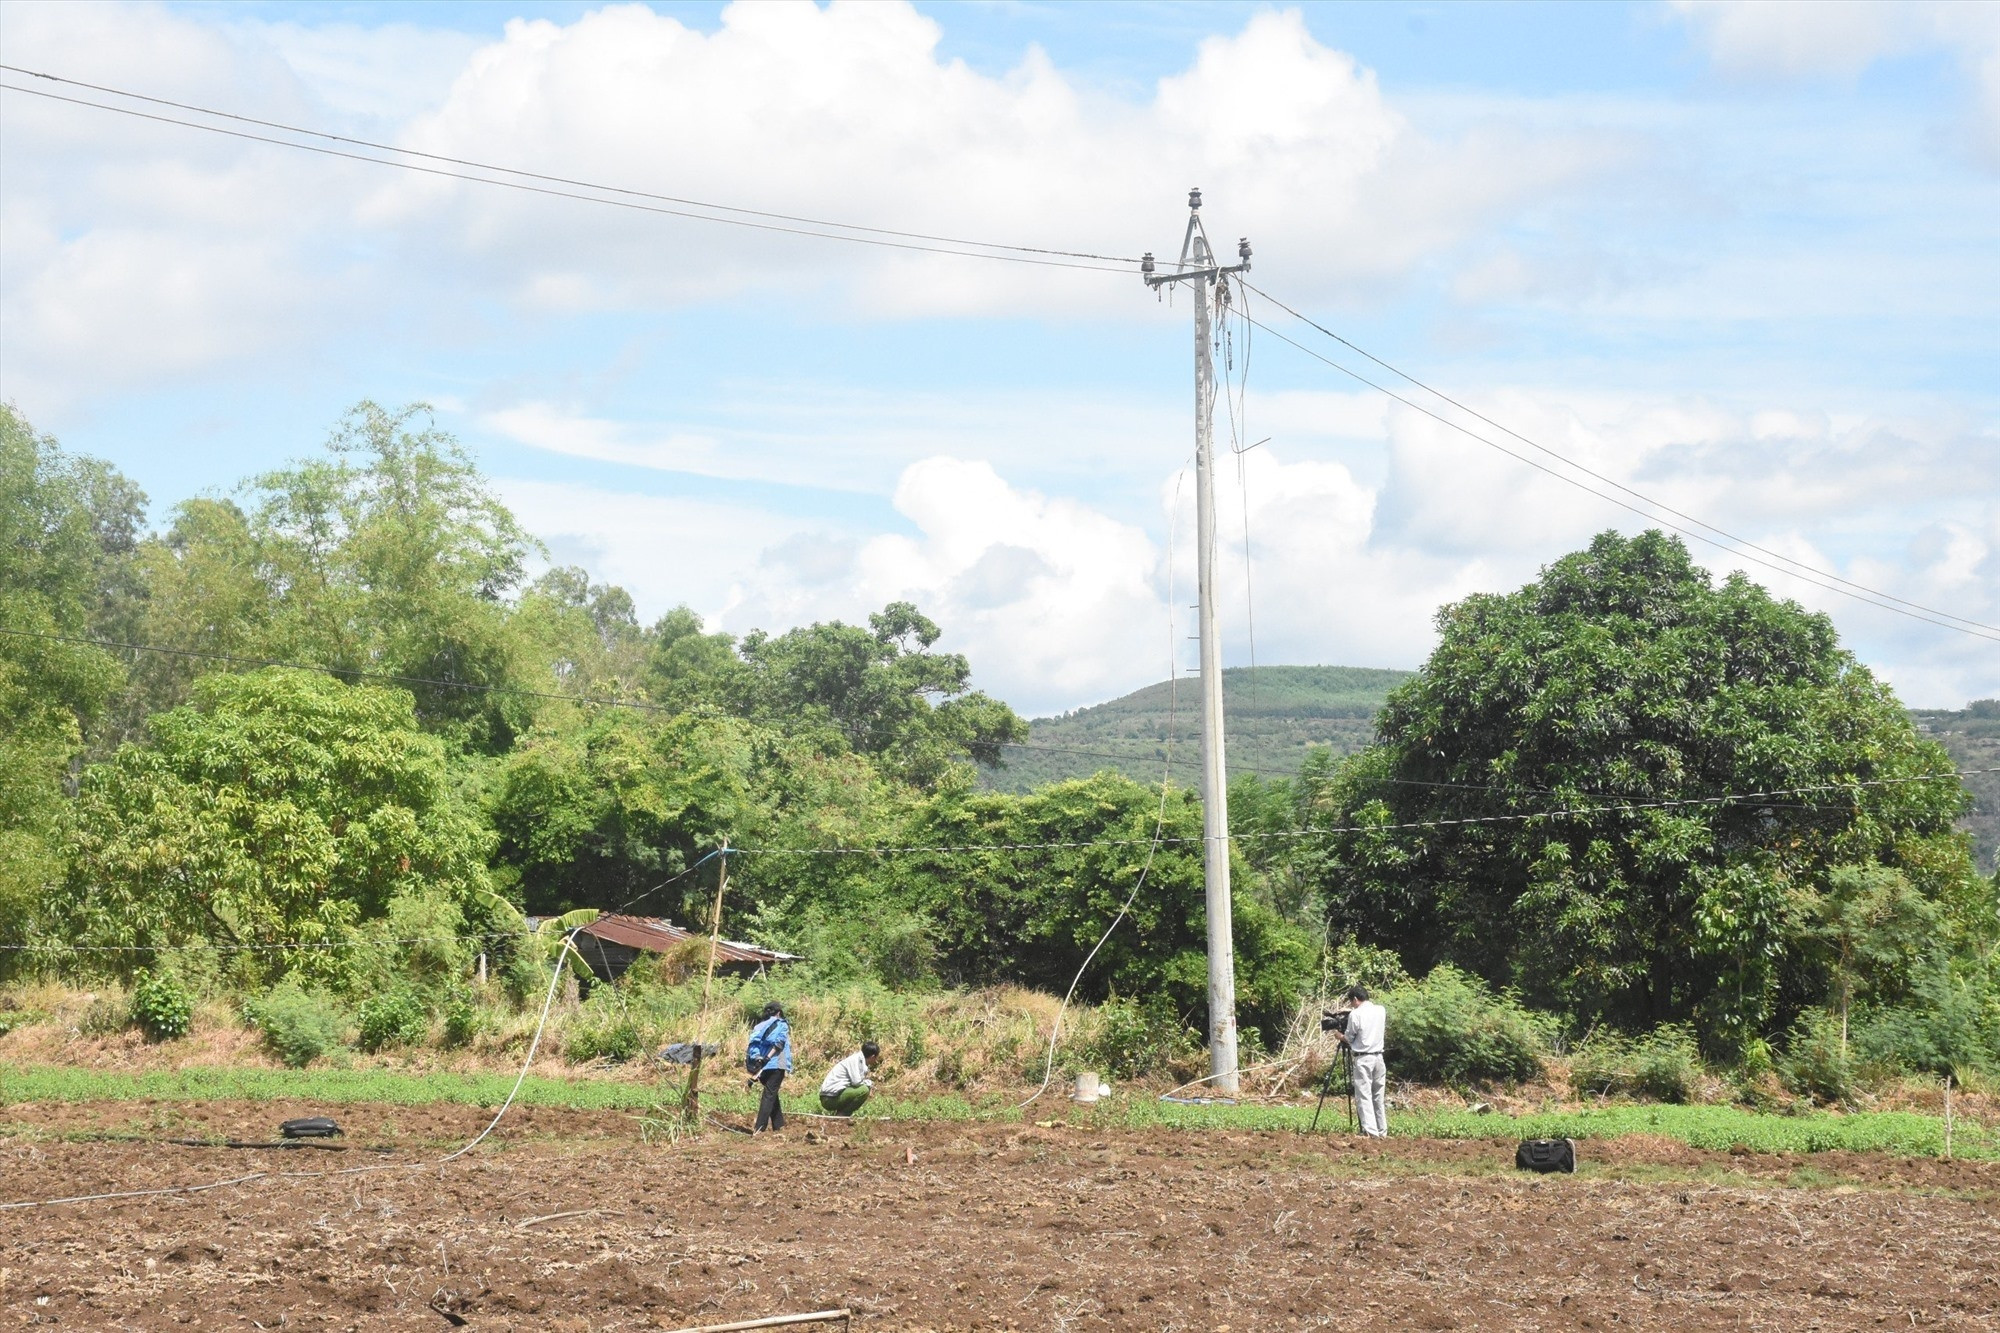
<point>1333,1020</point>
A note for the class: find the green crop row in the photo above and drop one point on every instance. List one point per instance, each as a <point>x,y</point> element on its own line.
<point>1715,1128</point>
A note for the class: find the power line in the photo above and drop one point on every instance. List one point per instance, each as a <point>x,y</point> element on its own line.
<point>1567,461</point>
<point>1562,812</point>
<point>555,180</point>
<point>626,203</point>
<point>1971,627</point>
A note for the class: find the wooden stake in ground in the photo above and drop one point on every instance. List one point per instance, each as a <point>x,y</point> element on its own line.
<point>691,1103</point>
<point>1947,1117</point>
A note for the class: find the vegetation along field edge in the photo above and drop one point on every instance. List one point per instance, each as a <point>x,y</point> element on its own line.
<point>1714,1128</point>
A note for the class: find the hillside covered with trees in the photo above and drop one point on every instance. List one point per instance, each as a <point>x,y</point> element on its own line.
<point>325,738</point>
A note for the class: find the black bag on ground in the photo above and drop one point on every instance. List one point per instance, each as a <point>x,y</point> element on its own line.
<point>310,1127</point>
<point>1546,1155</point>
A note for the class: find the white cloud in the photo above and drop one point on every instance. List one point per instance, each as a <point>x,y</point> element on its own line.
<point>1843,38</point>
<point>848,112</point>
<point>1058,603</point>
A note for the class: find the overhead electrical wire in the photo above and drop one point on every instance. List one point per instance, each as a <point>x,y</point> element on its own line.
<point>551,179</point>
<point>1958,624</point>
<point>1798,568</point>
<point>1009,254</point>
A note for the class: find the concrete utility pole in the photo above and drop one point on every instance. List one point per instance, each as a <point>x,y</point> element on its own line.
<point>1198,269</point>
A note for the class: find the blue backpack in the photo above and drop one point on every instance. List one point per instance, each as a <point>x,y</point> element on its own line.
<point>761,1048</point>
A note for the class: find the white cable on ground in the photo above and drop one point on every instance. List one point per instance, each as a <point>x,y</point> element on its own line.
<point>548,1002</point>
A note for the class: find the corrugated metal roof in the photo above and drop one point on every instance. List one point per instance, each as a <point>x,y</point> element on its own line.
<point>658,935</point>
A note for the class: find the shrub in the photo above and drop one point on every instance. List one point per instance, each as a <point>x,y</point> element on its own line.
<point>162,1005</point>
<point>1134,1040</point>
<point>462,1020</point>
<point>1814,1065</point>
<point>525,979</point>
<point>428,929</point>
<point>1664,1065</point>
<point>616,1038</point>
<point>1451,1028</point>
<point>395,1018</point>
<point>1952,1027</point>
<point>298,1025</point>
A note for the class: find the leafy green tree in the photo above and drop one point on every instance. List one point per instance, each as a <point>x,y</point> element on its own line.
<point>585,636</point>
<point>593,813</point>
<point>387,554</point>
<point>279,807</point>
<point>1564,714</point>
<point>880,691</point>
<point>67,528</point>
<point>1030,914</point>
<point>1873,927</point>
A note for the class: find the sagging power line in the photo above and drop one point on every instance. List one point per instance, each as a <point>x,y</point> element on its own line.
<point>1567,461</point>
<point>609,195</point>
<point>1869,596</point>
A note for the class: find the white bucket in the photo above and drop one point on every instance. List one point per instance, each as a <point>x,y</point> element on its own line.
<point>1087,1086</point>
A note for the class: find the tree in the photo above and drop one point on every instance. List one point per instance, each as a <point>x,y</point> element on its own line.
<point>67,528</point>
<point>1873,926</point>
<point>1561,717</point>
<point>880,691</point>
<point>593,809</point>
<point>278,808</point>
<point>1029,913</point>
<point>388,555</point>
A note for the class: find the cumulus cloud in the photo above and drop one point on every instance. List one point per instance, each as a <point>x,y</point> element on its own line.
<point>847,112</point>
<point>1060,604</point>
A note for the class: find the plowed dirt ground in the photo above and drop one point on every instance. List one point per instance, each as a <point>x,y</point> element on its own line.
<point>960,1227</point>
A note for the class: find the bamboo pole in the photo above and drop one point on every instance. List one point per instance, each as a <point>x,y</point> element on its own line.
<point>691,1104</point>
<point>1947,1117</point>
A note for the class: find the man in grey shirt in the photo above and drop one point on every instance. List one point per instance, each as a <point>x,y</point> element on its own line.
<point>847,1084</point>
<point>1367,1024</point>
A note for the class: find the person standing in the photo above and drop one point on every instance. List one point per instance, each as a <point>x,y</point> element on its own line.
<point>1367,1025</point>
<point>769,1059</point>
<point>847,1084</point>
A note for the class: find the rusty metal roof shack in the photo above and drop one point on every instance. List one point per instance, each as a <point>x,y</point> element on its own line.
<point>613,943</point>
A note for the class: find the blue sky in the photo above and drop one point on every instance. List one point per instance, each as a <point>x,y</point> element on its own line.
<point>1741,258</point>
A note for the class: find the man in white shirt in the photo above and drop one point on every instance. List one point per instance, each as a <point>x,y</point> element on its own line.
<point>1367,1024</point>
<point>847,1084</point>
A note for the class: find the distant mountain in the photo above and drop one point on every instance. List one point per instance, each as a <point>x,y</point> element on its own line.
<point>1972,737</point>
<point>1277,712</point>
<point>1273,714</point>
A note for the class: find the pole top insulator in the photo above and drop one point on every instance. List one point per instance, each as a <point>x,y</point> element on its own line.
<point>1243,247</point>
<point>1194,197</point>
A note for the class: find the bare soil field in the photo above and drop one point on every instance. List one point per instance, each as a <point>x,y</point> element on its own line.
<point>570,1221</point>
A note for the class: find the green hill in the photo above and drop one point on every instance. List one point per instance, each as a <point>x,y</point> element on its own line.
<point>1972,737</point>
<point>1274,714</point>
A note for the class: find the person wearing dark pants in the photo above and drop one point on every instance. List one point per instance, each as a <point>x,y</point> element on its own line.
<point>769,1058</point>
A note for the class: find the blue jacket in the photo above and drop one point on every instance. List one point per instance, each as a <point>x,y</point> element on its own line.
<point>776,1033</point>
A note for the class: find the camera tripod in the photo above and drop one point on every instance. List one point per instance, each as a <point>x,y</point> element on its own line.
<point>1326,1086</point>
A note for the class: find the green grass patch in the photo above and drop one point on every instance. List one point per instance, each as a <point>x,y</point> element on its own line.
<point>1716,1128</point>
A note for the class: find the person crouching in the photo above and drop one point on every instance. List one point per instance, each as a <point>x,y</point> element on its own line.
<point>847,1084</point>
